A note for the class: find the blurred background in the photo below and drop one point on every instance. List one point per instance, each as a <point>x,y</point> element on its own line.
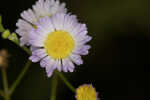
<point>117,64</point>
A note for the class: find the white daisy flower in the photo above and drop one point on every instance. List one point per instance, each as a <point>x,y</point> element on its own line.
<point>59,42</point>
<point>30,17</point>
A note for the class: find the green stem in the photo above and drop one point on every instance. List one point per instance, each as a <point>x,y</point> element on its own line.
<point>23,47</point>
<point>66,81</point>
<point>1,28</point>
<point>18,80</point>
<point>26,50</point>
<point>53,87</point>
<point>5,84</point>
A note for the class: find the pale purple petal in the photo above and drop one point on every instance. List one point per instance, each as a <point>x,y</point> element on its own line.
<point>64,65</point>
<point>29,16</point>
<point>82,50</point>
<point>70,66</point>
<point>59,65</point>
<point>67,65</point>
<point>48,8</point>
<point>34,58</point>
<point>76,59</point>
<point>40,53</point>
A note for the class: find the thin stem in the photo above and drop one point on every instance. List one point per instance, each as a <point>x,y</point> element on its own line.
<point>5,84</point>
<point>18,80</point>
<point>66,81</point>
<point>1,28</point>
<point>26,50</point>
<point>54,87</point>
<point>23,47</point>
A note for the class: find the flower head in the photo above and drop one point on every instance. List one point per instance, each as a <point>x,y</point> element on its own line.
<point>86,92</point>
<point>58,42</point>
<point>30,17</point>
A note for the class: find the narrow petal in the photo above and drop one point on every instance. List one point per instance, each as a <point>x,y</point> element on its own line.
<point>24,40</point>
<point>82,50</point>
<point>23,27</point>
<point>40,53</point>
<point>76,59</point>
<point>34,58</point>
<point>84,40</point>
<point>45,61</point>
<point>70,22</point>
<point>59,65</point>
<point>67,65</point>
<point>70,66</point>
<point>51,66</point>
<point>36,40</point>
<point>79,28</point>
<point>64,65</point>
<point>29,16</point>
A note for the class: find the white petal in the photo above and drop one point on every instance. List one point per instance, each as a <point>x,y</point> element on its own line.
<point>82,49</point>
<point>70,66</point>
<point>22,31</point>
<point>45,26</point>
<point>23,26</point>
<point>36,40</point>
<point>64,65</point>
<point>79,29</point>
<point>45,61</point>
<point>83,40</point>
<point>29,16</point>
<point>24,40</point>
<point>59,66</point>
<point>32,48</point>
<point>51,66</point>
<point>48,8</point>
<point>76,59</point>
<point>36,43</point>
<point>40,53</point>
<point>34,58</point>
<point>70,22</point>
<point>67,65</point>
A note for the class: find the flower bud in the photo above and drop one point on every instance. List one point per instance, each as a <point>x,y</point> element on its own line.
<point>6,34</point>
<point>13,37</point>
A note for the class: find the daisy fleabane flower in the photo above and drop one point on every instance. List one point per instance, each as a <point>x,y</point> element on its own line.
<point>86,92</point>
<point>59,42</point>
<point>30,17</point>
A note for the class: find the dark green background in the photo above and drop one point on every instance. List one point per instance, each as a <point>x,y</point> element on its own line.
<point>118,61</point>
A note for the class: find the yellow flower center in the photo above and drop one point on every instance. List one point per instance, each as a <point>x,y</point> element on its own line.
<point>86,92</point>
<point>59,44</point>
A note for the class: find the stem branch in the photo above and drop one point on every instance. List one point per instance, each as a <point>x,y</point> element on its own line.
<point>18,80</point>
<point>66,81</point>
